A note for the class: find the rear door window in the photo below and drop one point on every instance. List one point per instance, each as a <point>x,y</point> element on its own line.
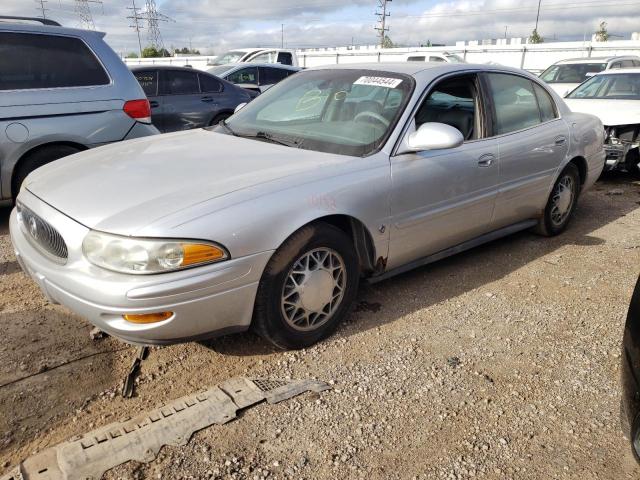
<point>178,82</point>
<point>209,84</point>
<point>148,80</point>
<point>269,76</point>
<point>244,75</point>
<point>514,102</point>
<point>285,58</point>
<point>34,61</point>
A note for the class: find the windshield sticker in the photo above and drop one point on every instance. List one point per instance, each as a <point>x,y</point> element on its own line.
<point>309,100</point>
<point>386,82</point>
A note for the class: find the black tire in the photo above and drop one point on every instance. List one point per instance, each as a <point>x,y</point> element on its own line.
<point>549,225</point>
<point>632,163</point>
<point>37,159</point>
<point>269,314</point>
<point>218,118</point>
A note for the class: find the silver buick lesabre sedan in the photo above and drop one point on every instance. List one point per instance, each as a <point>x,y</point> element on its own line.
<point>270,220</point>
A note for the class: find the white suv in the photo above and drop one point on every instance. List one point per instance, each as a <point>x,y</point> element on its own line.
<point>565,75</point>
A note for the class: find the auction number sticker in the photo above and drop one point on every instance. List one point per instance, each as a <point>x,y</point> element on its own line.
<point>386,82</point>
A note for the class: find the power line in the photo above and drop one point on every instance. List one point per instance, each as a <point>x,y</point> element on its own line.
<point>153,29</point>
<point>382,20</point>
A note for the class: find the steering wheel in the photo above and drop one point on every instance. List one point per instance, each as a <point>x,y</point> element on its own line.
<point>373,115</point>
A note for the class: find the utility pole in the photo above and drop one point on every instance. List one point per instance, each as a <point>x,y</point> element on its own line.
<point>382,20</point>
<point>83,11</point>
<point>506,27</point>
<point>538,15</point>
<point>42,8</point>
<point>136,17</point>
<point>282,37</point>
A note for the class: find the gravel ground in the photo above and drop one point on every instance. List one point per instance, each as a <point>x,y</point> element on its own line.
<point>502,362</point>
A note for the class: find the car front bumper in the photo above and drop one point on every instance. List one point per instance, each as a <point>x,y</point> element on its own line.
<point>206,301</point>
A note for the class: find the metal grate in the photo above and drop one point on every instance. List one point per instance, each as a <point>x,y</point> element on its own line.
<point>42,235</point>
<point>267,385</point>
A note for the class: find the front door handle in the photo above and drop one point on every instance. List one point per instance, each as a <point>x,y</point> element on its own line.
<point>486,160</point>
<point>560,140</point>
<point>207,99</point>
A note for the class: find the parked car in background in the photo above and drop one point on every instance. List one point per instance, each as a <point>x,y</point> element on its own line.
<point>258,55</point>
<point>256,77</point>
<point>182,98</point>
<point>614,97</point>
<point>271,218</point>
<point>565,75</point>
<point>62,91</point>
<point>435,57</point>
<point>630,408</point>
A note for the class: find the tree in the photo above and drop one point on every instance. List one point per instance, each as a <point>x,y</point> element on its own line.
<point>387,43</point>
<point>602,35</point>
<point>132,55</point>
<point>535,37</point>
<point>187,51</point>
<point>152,52</point>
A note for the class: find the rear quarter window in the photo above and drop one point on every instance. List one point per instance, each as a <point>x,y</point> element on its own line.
<point>36,61</point>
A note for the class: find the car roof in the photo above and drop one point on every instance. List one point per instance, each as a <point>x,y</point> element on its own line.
<point>415,68</point>
<point>155,66</point>
<point>596,59</point>
<point>233,66</point>
<point>30,26</point>
<point>615,71</point>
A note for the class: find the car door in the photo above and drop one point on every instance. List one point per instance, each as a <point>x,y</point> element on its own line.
<point>246,77</point>
<point>149,81</point>
<point>222,99</point>
<point>533,142</point>
<point>441,198</point>
<point>182,104</point>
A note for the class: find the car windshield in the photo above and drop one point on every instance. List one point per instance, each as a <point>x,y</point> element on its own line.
<point>571,73</point>
<point>218,71</point>
<point>230,57</point>
<point>619,86</point>
<point>348,112</point>
<point>453,58</point>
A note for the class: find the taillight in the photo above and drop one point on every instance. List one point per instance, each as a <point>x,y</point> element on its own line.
<point>139,110</point>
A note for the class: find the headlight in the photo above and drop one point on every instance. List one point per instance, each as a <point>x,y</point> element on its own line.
<point>145,256</point>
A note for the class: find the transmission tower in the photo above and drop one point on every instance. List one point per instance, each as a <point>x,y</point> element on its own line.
<point>382,20</point>
<point>154,37</point>
<point>136,18</point>
<point>42,8</point>
<point>83,11</point>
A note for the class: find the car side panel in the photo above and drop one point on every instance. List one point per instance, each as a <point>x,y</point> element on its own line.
<point>529,162</point>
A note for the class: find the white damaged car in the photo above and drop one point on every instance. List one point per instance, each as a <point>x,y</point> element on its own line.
<point>614,97</point>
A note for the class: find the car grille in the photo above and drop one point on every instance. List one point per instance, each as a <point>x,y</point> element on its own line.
<point>42,235</point>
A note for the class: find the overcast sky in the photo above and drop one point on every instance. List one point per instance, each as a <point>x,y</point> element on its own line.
<point>215,25</point>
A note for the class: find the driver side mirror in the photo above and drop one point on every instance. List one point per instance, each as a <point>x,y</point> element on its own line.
<point>434,136</point>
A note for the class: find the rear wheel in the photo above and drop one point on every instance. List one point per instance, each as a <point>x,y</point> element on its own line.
<point>307,287</point>
<point>37,159</point>
<point>561,204</point>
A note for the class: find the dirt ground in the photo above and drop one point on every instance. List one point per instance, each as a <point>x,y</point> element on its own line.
<point>502,362</point>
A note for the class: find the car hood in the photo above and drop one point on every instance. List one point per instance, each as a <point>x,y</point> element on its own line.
<point>610,112</point>
<point>562,88</point>
<point>124,187</point>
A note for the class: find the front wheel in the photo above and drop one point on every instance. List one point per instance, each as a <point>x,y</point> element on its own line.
<point>632,163</point>
<point>561,204</point>
<point>307,287</point>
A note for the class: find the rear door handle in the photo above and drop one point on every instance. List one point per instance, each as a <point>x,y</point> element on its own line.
<point>561,140</point>
<point>154,104</point>
<point>207,99</point>
<point>486,160</point>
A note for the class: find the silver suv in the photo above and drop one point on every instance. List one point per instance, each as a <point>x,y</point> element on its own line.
<point>62,91</point>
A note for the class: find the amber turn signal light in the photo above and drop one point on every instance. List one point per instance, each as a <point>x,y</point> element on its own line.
<point>195,254</point>
<point>148,317</point>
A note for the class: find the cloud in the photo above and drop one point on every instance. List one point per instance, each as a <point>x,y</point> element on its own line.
<point>214,25</point>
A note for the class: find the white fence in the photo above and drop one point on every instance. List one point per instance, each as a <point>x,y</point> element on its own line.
<point>529,56</point>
